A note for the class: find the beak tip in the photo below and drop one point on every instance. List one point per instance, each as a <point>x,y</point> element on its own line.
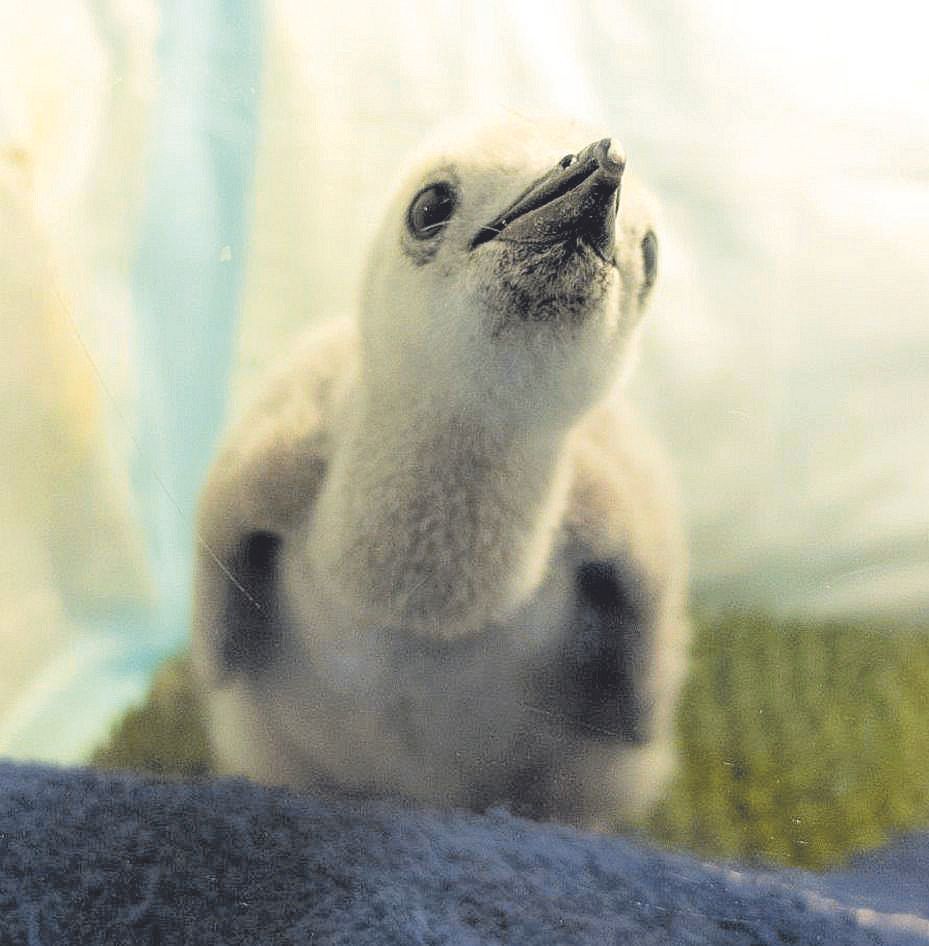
<point>611,157</point>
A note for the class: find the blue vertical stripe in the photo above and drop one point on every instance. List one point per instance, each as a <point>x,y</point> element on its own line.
<point>188,273</point>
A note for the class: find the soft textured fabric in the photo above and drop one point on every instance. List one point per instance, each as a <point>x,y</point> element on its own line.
<point>90,858</point>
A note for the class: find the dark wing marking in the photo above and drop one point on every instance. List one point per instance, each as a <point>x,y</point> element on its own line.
<point>606,654</point>
<point>261,486</point>
<point>251,628</point>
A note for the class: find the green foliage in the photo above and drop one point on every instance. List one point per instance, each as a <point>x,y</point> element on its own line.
<point>800,744</point>
<point>166,735</point>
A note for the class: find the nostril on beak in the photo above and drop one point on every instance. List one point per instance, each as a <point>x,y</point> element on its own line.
<point>579,196</point>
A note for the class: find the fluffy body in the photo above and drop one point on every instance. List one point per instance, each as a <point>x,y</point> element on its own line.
<point>439,557</point>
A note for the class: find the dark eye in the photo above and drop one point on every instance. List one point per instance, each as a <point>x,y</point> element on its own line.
<point>430,211</point>
<point>649,260</point>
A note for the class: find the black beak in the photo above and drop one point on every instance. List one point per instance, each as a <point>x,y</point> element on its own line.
<point>578,198</point>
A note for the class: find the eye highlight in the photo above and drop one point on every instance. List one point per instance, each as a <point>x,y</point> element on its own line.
<point>431,210</point>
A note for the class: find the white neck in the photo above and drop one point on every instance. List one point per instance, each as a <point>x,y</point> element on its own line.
<point>432,522</point>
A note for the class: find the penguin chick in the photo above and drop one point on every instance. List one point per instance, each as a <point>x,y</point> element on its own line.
<point>439,559</point>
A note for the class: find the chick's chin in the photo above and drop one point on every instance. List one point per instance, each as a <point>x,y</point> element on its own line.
<point>557,285</point>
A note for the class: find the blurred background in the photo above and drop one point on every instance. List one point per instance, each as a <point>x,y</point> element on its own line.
<point>185,186</point>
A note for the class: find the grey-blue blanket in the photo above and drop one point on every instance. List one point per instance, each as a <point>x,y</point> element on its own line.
<point>90,858</point>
